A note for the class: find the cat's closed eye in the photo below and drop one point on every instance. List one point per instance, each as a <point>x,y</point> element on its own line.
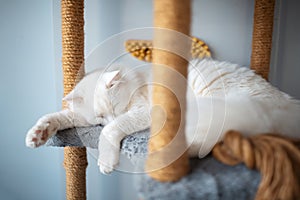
<point>101,116</point>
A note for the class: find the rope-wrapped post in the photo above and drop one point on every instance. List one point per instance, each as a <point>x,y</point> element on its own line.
<point>262,36</point>
<point>75,161</point>
<point>168,141</point>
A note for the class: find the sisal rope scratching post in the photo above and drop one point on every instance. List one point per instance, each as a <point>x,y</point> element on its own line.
<point>274,156</point>
<point>75,161</point>
<point>262,36</point>
<point>172,15</point>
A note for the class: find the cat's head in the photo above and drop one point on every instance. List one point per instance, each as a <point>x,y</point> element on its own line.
<point>110,99</point>
<point>101,96</point>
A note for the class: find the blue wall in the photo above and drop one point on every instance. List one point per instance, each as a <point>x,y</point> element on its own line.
<point>28,90</point>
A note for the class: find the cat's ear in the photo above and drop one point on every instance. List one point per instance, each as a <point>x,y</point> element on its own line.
<point>73,96</point>
<point>111,78</point>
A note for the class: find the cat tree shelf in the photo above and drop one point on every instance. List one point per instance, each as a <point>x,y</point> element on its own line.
<point>208,179</point>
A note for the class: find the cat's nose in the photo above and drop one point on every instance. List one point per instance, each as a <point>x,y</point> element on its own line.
<point>99,121</point>
<point>104,120</point>
<point>109,118</point>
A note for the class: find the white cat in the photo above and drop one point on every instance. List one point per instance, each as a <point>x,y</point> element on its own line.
<point>221,96</point>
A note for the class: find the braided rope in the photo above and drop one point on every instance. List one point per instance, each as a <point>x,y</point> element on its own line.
<point>75,161</point>
<point>274,156</point>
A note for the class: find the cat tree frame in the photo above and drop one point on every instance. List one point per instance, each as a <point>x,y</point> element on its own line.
<point>177,18</point>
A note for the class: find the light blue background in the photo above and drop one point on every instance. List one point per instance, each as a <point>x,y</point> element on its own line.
<point>31,80</point>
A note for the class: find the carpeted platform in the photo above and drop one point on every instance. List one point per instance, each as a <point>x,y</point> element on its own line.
<point>209,179</point>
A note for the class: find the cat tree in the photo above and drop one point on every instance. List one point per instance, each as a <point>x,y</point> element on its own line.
<point>233,150</point>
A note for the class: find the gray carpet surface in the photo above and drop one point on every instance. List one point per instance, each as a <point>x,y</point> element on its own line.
<point>208,179</point>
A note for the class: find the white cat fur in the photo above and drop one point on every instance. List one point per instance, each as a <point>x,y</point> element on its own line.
<point>221,96</point>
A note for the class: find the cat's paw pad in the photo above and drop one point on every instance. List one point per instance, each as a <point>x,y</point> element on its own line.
<point>39,134</point>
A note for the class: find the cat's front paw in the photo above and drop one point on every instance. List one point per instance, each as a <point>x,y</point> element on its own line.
<point>108,161</point>
<point>105,169</point>
<point>40,133</point>
<point>108,155</point>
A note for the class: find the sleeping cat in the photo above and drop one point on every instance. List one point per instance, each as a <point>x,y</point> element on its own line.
<point>221,96</point>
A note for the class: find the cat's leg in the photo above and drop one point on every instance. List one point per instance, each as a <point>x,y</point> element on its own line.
<point>48,125</point>
<point>135,120</point>
<point>109,154</point>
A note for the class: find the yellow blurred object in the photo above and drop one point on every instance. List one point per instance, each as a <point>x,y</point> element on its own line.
<point>142,49</point>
